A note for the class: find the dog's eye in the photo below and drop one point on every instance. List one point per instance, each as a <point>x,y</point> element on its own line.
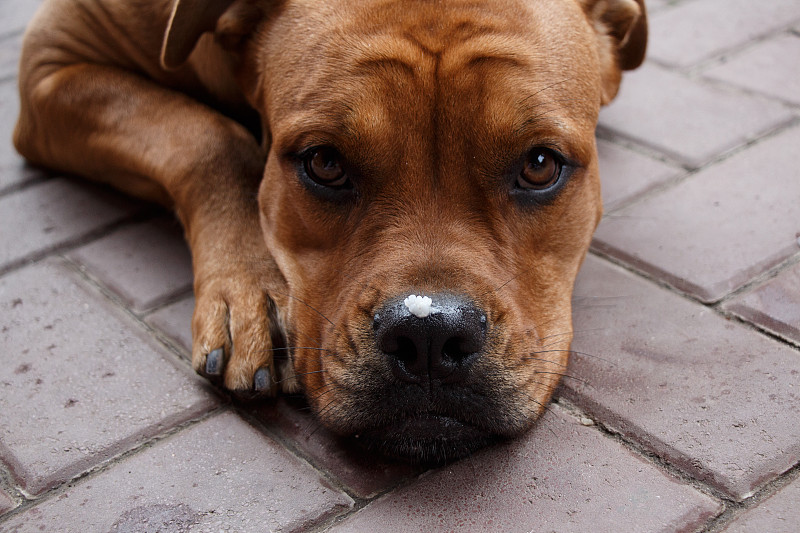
<point>323,164</point>
<point>541,170</point>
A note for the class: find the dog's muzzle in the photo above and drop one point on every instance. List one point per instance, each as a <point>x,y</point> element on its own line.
<point>432,408</point>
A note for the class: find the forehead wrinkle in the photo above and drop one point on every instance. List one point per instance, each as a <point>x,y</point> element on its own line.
<point>486,48</point>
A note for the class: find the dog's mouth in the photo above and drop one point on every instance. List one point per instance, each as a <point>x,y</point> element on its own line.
<point>426,438</point>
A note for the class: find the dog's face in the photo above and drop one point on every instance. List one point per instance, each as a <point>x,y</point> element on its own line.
<point>437,149</point>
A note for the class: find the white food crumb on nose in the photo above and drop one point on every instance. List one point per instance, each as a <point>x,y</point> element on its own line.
<point>419,306</point>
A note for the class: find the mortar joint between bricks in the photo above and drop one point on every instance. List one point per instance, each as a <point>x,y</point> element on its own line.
<point>31,501</point>
<point>735,509</point>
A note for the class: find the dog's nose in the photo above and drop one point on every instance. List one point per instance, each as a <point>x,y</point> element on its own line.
<point>440,342</point>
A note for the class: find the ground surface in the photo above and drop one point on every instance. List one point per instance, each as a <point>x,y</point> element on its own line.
<point>683,413</point>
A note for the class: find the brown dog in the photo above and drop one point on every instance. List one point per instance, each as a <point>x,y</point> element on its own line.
<point>330,159</point>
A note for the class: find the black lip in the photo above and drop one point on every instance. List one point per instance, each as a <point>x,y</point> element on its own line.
<point>427,438</point>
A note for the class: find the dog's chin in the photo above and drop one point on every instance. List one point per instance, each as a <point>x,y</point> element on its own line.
<point>426,438</point>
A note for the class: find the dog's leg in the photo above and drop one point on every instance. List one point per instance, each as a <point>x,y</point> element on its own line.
<point>116,127</point>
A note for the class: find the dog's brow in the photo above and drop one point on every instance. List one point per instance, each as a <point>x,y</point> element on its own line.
<point>395,63</point>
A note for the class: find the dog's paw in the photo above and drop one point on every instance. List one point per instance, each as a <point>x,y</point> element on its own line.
<point>236,337</point>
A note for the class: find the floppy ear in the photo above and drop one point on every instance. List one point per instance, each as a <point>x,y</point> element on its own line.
<point>634,45</point>
<point>189,20</point>
<point>621,27</point>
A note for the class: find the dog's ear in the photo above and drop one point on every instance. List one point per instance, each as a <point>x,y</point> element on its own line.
<point>230,20</point>
<point>621,27</point>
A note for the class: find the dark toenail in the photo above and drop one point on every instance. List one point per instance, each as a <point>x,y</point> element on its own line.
<point>262,379</point>
<point>214,362</point>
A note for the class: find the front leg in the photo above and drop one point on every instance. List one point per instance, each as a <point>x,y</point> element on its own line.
<point>114,126</point>
<point>238,290</point>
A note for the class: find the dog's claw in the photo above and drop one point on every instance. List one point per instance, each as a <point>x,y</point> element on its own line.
<point>214,363</point>
<point>262,380</point>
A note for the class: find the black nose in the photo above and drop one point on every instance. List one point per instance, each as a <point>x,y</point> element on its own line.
<point>441,346</point>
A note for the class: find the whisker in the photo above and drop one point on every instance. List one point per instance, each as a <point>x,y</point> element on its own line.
<point>545,409</point>
<point>296,375</point>
<point>290,348</point>
<point>544,361</point>
<point>576,352</point>
<point>568,376</point>
<point>515,277</point>
<point>573,332</point>
<point>565,80</point>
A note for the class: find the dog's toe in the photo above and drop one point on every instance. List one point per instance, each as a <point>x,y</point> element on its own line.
<point>213,366</point>
<point>262,387</point>
<point>262,381</point>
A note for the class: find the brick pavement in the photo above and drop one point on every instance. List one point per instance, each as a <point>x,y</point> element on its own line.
<point>682,409</point>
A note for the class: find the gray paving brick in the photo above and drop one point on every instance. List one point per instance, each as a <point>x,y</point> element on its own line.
<point>146,264</point>
<point>219,475</point>
<point>774,306</point>
<point>562,477</point>
<point>10,47</point>
<point>779,514</point>
<point>6,503</point>
<point>364,474</point>
<point>15,14</point>
<point>710,396</point>
<point>80,382</point>
<point>717,230</point>
<point>175,321</point>
<point>626,174</point>
<point>655,5</point>
<point>53,213</point>
<point>770,67</point>
<point>688,120</point>
<point>699,29</point>
<point>13,169</point>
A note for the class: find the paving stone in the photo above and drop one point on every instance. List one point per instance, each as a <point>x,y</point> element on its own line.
<point>720,228</point>
<point>13,170</point>
<point>10,47</point>
<point>365,474</point>
<point>626,174</point>
<point>770,67</point>
<point>175,321</point>
<point>6,503</point>
<point>779,514</point>
<point>693,31</point>
<point>81,382</point>
<point>654,5</point>
<point>57,212</point>
<point>561,477</point>
<point>710,396</point>
<point>688,120</point>
<point>774,306</point>
<point>146,264</point>
<point>219,475</point>
<point>15,14</point>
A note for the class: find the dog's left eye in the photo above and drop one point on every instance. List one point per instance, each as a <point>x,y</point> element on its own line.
<point>324,165</point>
<point>541,170</point>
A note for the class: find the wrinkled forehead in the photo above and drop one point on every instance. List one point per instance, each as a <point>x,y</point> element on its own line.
<point>356,64</point>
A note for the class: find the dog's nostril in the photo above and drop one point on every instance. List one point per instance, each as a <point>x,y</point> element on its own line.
<point>457,349</point>
<point>405,352</point>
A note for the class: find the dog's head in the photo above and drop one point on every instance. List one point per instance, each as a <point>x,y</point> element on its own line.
<point>443,150</point>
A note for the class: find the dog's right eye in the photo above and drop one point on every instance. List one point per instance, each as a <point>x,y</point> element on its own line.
<point>324,165</point>
<point>542,170</point>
